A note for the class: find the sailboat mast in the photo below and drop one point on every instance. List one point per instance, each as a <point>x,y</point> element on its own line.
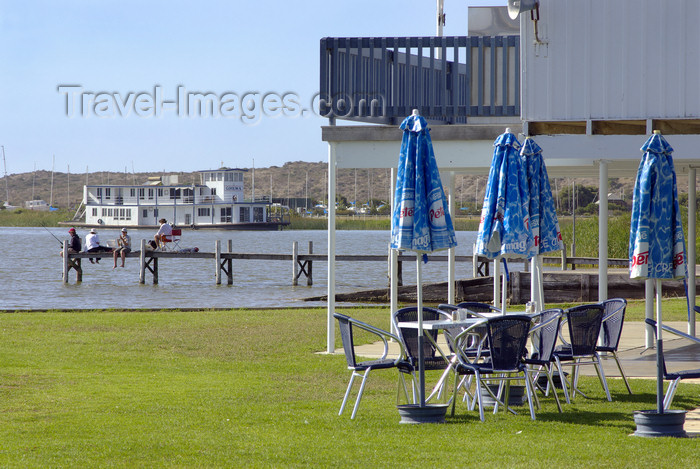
<point>53,164</point>
<point>4,164</point>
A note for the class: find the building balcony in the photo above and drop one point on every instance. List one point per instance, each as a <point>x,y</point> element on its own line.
<point>450,80</point>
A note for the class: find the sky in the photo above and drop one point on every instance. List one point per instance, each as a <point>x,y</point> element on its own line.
<point>99,85</point>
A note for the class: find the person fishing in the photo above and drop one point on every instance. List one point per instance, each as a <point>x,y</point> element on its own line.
<point>123,247</point>
<point>74,244</point>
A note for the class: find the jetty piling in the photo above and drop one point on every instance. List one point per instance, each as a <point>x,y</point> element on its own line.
<point>71,263</point>
<point>301,265</point>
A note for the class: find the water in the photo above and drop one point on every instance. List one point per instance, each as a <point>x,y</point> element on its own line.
<point>30,271</point>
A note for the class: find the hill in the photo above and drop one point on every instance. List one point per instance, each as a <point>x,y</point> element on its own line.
<point>292,180</point>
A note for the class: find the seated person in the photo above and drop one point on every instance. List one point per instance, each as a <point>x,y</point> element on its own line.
<point>123,247</point>
<point>164,232</point>
<point>92,244</point>
<point>74,244</point>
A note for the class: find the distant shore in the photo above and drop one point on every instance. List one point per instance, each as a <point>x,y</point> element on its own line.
<point>28,218</point>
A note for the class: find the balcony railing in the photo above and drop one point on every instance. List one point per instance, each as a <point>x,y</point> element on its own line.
<point>448,79</point>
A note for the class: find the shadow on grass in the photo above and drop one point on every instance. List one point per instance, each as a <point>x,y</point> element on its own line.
<point>594,411</point>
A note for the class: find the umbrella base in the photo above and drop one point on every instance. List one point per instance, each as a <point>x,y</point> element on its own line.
<point>431,413</point>
<point>650,423</point>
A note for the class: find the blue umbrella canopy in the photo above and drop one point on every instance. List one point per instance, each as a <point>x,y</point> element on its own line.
<point>504,229</point>
<point>657,247</point>
<point>543,216</point>
<point>421,221</point>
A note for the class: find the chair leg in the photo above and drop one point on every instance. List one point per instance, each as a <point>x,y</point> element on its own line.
<point>622,373</point>
<point>465,382</point>
<point>440,385</point>
<point>564,380</point>
<point>670,392</point>
<point>575,372</point>
<point>359,394</point>
<point>402,386</point>
<point>548,370</point>
<point>529,389</point>
<point>533,377</point>
<point>347,392</point>
<point>498,396</point>
<point>574,380</point>
<point>454,395</point>
<point>601,376</point>
<point>479,396</point>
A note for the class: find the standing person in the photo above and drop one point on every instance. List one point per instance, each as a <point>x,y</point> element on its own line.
<point>164,232</point>
<point>74,244</point>
<point>123,247</point>
<point>92,244</point>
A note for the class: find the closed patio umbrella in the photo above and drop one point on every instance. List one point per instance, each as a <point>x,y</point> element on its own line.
<point>421,221</point>
<point>543,216</point>
<point>657,246</point>
<point>504,229</point>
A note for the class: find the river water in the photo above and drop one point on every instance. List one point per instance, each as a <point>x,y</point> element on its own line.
<point>30,271</point>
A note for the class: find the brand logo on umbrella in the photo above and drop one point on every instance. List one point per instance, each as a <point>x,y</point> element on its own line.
<point>406,212</point>
<point>435,214</point>
<point>640,259</point>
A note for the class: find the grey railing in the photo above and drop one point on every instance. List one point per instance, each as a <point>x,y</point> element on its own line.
<point>448,79</point>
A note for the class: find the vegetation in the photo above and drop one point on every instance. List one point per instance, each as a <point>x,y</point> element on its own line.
<point>23,217</point>
<point>235,388</point>
<point>362,222</point>
<point>618,235</point>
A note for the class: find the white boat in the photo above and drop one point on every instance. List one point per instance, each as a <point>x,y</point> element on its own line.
<point>9,207</point>
<point>216,202</point>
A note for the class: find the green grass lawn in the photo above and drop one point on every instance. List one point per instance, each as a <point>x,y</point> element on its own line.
<point>244,388</point>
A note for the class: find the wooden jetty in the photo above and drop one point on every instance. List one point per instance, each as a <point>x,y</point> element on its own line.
<point>563,286</point>
<point>223,261</point>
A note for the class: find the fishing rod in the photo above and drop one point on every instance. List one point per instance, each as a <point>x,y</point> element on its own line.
<point>59,241</point>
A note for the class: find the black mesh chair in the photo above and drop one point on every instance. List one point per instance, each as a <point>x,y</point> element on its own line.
<point>674,377</point>
<point>433,358</point>
<point>362,369</point>
<point>544,336</point>
<point>613,321</point>
<point>584,324</point>
<point>507,338</point>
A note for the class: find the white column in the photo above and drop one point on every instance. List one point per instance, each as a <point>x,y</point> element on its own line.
<point>692,202</point>
<point>217,261</point>
<point>64,259</point>
<point>331,246</point>
<point>451,252</point>
<point>603,232</point>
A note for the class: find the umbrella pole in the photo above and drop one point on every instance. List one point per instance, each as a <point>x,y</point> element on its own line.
<point>504,291</point>
<point>534,295</point>
<point>649,311</point>
<point>497,282</point>
<point>659,352</point>
<point>421,365</point>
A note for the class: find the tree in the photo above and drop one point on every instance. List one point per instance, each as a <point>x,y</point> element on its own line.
<point>585,195</point>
